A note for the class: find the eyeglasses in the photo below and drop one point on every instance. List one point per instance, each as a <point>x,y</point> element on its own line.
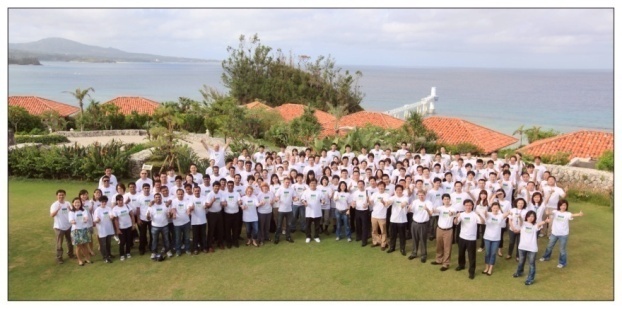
<point>106,180</point>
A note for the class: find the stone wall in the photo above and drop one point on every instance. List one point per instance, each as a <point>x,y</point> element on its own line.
<point>577,176</point>
<point>102,133</point>
<point>137,160</point>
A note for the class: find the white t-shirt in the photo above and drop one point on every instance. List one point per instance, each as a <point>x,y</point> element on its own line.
<point>379,211</point>
<point>140,182</point>
<point>314,204</point>
<point>331,154</point>
<point>557,193</point>
<point>61,220</point>
<point>528,237</point>
<point>199,211</point>
<point>133,204</point>
<point>159,215</point>
<point>123,214</point>
<point>299,188</point>
<point>104,227</point>
<point>493,226</point>
<point>250,203</point>
<point>328,192</point>
<point>218,156</point>
<point>81,217</point>
<point>420,215</point>
<point>399,209</point>
<point>181,210</point>
<point>468,228</point>
<point>143,204</point>
<point>457,200</point>
<point>445,219</point>
<point>259,157</point>
<point>215,199</point>
<point>342,200</point>
<point>560,222</point>
<point>232,199</point>
<point>267,199</point>
<point>286,196</point>
<point>205,190</point>
<point>89,206</point>
<point>109,192</point>
<point>113,181</point>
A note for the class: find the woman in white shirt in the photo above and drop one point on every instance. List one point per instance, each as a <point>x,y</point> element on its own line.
<point>105,229</point>
<point>492,235</point>
<point>78,217</point>
<point>517,213</point>
<point>266,199</point>
<point>528,247</point>
<point>559,231</point>
<point>327,214</point>
<point>342,211</point>
<point>249,216</point>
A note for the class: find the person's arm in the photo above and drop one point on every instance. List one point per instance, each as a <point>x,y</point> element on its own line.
<point>515,229</point>
<point>430,211</point>
<point>54,212</point>
<point>137,214</point>
<point>456,220</point>
<point>115,223</point>
<point>564,191</point>
<point>205,145</point>
<point>579,214</point>
<point>539,225</point>
<point>224,149</point>
<point>481,219</point>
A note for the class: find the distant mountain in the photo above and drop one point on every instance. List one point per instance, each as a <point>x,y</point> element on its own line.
<point>59,49</point>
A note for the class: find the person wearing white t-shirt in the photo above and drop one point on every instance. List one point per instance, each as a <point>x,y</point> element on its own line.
<point>123,219</point>
<point>249,204</point>
<point>216,152</point>
<point>434,195</point>
<point>78,218</point>
<point>517,215</point>
<point>422,210</point>
<point>360,202</point>
<point>528,247</point>
<point>560,230</point>
<point>88,206</point>
<point>112,178</point>
<point>260,155</point>
<point>492,235</point>
<point>297,205</point>
<point>198,221</point>
<point>284,197</point>
<point>327,213</point>
<point>144,225</point>
<point>342,199</point>
<point>552,195</point>
<point>313,199</point>
<point>105,228</point>
<point>444,232</point>
<point>398,219</point>
<point>379,201</point>
<point>333,153</point>
<point>468,235</point>
<point>144,178</point>
<point>62,228</point>
<point>215,221</point>
<point>231,205</point>
<point>457,201</point>
<point>180,211</point>
<point>158,212</point>
<point>264,212</point>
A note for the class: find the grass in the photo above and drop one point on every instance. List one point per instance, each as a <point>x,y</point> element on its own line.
<point>329,270</point>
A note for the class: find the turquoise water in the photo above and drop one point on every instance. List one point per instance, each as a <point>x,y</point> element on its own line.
<point>501,99</point>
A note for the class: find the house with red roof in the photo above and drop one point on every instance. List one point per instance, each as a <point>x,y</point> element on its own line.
<point>363,118</point>
<point>579,144</point>
<point>452,130</point>
<point>141,105</point>
<point>37,105</point>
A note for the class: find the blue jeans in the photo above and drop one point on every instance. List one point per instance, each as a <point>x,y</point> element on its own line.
<point>491,251</point>
<point>563,240</point>
<point>185,230</point>
<point>251,229</point>
<point>154,235</point>
<point>279,224</point>
<point>522,256</point>
<point>343,220</point>
<point>298,210</point>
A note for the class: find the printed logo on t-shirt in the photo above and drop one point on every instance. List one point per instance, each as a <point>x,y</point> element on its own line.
<point>124,213</point>
<point>63,210</point>
<point>458,200</point>
<point>560,218</point>
<point>528,230</point>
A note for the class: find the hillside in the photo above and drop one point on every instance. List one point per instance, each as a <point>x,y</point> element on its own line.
<point>59,49</point>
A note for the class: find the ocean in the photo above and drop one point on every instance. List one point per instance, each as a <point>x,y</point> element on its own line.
<point>500,99</point>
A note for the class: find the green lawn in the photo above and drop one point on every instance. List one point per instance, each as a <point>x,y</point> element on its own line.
<point>329,270</point>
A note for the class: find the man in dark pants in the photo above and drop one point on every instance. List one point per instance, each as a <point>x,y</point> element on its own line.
<point>361,203</point>
<point>144,225</point>
<point>214,218</point>
<point>230,201</point>
<point>468,236</point>
<point>422,210</point>
<point>284,197</point>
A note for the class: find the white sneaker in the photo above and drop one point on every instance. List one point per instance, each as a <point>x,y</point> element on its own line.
<point>283,232</point>
<point>560,266</point>
<point>169,254</point>
<point>542,259</point>
<point>480,250</point>
<point>308,240</point>
<point>337,239</point>
<point>128,256</point>
<point>349,239</point>
<point>153,256</point>
<point>116,238</point>
<point>122,258</point>
<point>317,240</point>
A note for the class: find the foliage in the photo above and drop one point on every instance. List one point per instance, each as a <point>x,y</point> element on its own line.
<point>80,94</point>
<point>559,158</point>
<point>184,154</point>
<point>41,139</point>
<point>535,133</point>
<point>166,134</point>
<point>76,162</point>
<point>52,119</point>
<point>136,121</point>
<point>225,117</point>
<point>464,148</point>
<point>279,134</point>
<point>237,145</point>
<point>191,112</point>
<point>606,161</point>
<point>258,121</point>
<point>22,121</point>
<point>253,71</point>
<point>520,131</point>
<point>582,193</point>
<point>304,128</point>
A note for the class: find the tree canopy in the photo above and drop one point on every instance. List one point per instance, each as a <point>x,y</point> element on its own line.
<point>253,71</point>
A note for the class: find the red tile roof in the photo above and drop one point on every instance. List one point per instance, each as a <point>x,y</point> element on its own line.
<point>257,104</point>
<point>455,130</point>
<point>129,104</point>
<point>362,118</point>
<point>289,111</point>
<point>36,105</point>
<point>582,144</point>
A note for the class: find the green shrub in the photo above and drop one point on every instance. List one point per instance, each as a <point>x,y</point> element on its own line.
<point>605,162</point>
<point>559,158</point>
<point>41,139</point>
<point>584,194</point>
<point>464,148</point>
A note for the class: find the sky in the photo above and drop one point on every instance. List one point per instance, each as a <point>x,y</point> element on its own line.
<point>562,38</point>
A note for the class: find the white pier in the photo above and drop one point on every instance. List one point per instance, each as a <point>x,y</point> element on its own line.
<point>424,107</point>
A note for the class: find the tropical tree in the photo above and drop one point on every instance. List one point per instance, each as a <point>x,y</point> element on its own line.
<point>80,94</point>
<point>536,133</point>
<point>520,131</point>
<point>338,111</point>
<point>415,132</point>
<point>19,118</point>
<point>53,120</point>
<point>305,127</point>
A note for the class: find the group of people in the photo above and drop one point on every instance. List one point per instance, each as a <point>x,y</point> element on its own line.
<point>379,195</point>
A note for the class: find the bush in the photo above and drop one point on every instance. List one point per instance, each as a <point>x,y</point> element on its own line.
<point>41,139</point>
<point>580,193</point>
<point>605,162</point>
<point>559,158</point>
<point>464,148</point>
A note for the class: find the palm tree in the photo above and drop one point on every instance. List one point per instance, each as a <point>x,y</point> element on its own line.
<point>79,94</point>
<point>338,111</point>
<point>520,131</point>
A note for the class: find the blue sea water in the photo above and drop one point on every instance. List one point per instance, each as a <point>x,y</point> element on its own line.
<point>500,99</point>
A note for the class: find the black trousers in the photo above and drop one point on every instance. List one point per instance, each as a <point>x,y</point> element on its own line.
<point>144,230</point>
<point>353,227</point>
<point>316,224</point>
<point>171,234</point>
<point>420,237</point>
<point>238,231</point>
<point>215,229</point>
<point>199,237</point>
<point>456,233</point>
<point>481,229</point>
<point>467,247</point>
<point>104,246</point>
<point>362,225</point>
<point>125,241</point>
<point>232,225</point>
<point>398,229</point>
<point>264,226</point>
